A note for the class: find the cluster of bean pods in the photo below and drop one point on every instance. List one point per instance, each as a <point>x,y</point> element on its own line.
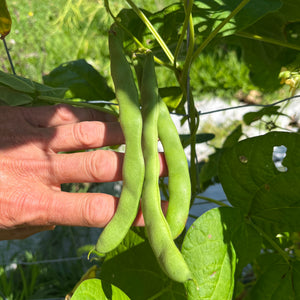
<point>145,119</point>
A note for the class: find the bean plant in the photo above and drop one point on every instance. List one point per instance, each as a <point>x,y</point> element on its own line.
<point>246,247</point>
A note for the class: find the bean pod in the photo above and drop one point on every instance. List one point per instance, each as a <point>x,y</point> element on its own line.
<point>133,166</point>
<point>158,231</point>
<point>179,178</point>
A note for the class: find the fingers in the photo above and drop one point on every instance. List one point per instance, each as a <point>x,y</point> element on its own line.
<point>75,209</point>
<point>88,210</point>
<point>83,135</point>
<point>95,166</point>
<point>61,114</point>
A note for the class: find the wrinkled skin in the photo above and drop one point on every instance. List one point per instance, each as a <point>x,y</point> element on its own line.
<point>32,169</point>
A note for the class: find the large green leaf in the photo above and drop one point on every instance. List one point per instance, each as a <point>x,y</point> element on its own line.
<point>265,59</point>
<point>133,268</point>
<point>14,98</point>
<point>81,79</point>
<point>218,246</point>
<point>277,280</point>
<point>137,273</point>
<point>17,83</point>
<point>95,289</point>
<point>209,171</point>
<point>207,15</point>
<point>212,13</point>
<point>252,181</point>
<point>209,253</point>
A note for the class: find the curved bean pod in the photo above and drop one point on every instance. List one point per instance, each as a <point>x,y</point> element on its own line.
<point>133,166</point>
<point>178,170</point>
<point>158,231</point>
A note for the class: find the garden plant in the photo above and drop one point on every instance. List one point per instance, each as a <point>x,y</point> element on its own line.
<point>244,248</point>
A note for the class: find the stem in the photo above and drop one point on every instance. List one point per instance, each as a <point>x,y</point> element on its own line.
<point>218,28</point>
<point>184,82</point>
<point>267,40</point>
<point>80,104</point>
<point>191,44</point>
<point>153,30</point>
<point>212,200</point>
<point>270,241</point>
<point>185,26</point>
<point>9,57</point>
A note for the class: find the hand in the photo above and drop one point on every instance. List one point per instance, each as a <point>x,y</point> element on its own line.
<point>32,169</point>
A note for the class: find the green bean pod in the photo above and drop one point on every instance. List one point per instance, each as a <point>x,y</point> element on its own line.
<point>168,255</point>
<point>178,171</point>
<point>133,166</point>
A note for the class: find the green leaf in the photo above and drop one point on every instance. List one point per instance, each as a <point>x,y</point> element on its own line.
<point>233,137</point>
<point>278,280</point>
<point>253,182</point>
<point>95,289</point>
<point>171,96</point>
<point>44,90</point>
<point>137,273</point>
<point>209,171</point>
<point>210,255</point>
<point>81,79</point>
<point>212,13</point>
<point>280,48</point>
<point>5,20</point>
<point>207,15</point>
<point>14,98</point>
<point>17,83</point>
<point>251,117</point>
<point>134,237</point>
<point>200,138</point>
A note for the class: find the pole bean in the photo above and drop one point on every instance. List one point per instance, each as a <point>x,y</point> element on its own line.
<point>178,170</point>
<point>133,165</point>
<point>158,231</point>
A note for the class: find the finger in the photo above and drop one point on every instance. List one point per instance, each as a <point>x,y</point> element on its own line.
<point>22,232</point>
<point>95,166</point>
<point>61,114</point>
<point>76,209</point>
<point>88,210</point>
<point>83,135</point>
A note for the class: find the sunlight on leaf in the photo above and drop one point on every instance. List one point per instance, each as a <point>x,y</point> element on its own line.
<point>95,289</point>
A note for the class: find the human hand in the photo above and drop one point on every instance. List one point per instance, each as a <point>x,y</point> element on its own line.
<point>32,169</point>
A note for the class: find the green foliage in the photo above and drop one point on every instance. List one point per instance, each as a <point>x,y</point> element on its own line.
<point>81,79</point>
<point>96,289</point>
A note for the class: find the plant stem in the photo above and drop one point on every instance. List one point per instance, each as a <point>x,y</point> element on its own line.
<point>270,241</point>
<point>153,30</point>
<point>9,57</point>
<point>74,103</point>
<point>218,28</point>
<point>267,40</point>
<point>212,200</point>
<point>185,25</point>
